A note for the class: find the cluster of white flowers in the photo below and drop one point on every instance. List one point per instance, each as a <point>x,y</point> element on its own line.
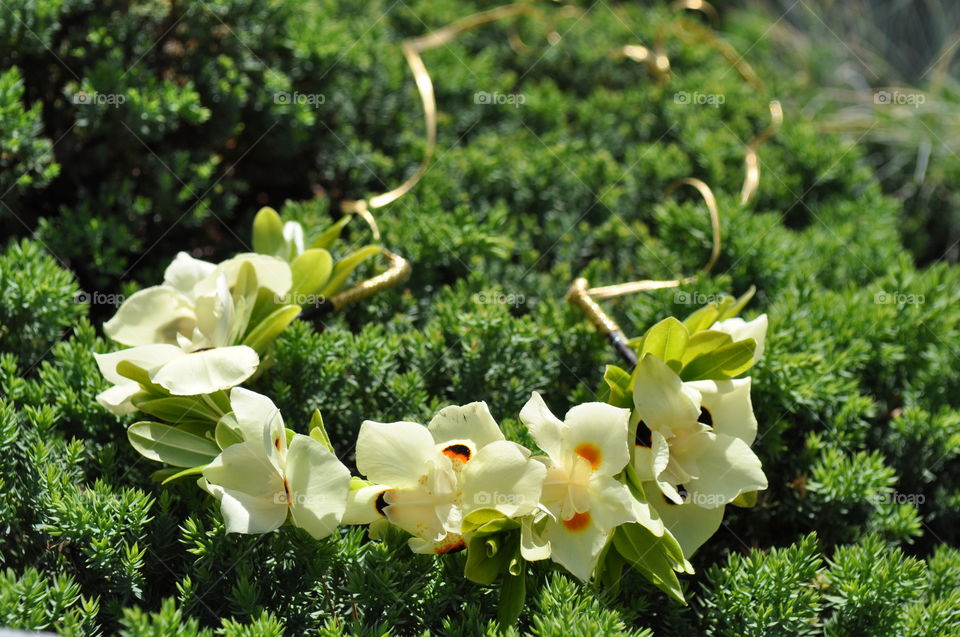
<point>642,477</point>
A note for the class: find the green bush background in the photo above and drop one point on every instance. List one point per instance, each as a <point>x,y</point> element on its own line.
<point>857,398</point>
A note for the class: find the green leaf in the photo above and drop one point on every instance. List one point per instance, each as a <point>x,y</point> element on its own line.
<point>311,271</point>
<point>268,233</point>
<point>617,384</point>
<point>345,267</point>
<point>702,318</point>
<point>737,306</point>
<point>704,342</point>
<point>722,363</point>
<point>331,234</point>
<point>177,409</point>
<point>138,374</point>
<point>666,340</point>
<point>655,557</point>
<point>486,521</point>
<point>244,299</point>
<point>192,471</point>
<point>163,443</point>
<point>318,432</point>
<point>262,336</point>
<point>513,593</point>
<point>227,433</point>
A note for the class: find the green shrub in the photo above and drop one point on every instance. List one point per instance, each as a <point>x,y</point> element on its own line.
<point>857,396</point>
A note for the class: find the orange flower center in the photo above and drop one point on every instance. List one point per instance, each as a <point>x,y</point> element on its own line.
<point>578,522</point>
<point>589,452</point>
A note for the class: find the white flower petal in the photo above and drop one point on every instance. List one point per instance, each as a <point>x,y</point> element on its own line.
<point>661,398</point>
<point>597,432</point>
<point>729,407</point>
<point>728,467</point>
<point>117,398</point>
<point>363,503</point>
<point>272,273</point>
<point>471,422</point>
<point>741,330</point>
<point>576,544</point>
<point>545,428</point>
<point>184,272</point>
<point>152,315</point>
<point>611,503</point>
<point>395,454</point>
<point>533,546</point>
<point>147,357</point>
<point>244,467</point>
<point>317,485</point>
<point>207,371</point>
<point>689,524</point>
<point>252,411</point>
<point>293,237</point>
<point>244,513</point>
<point>502,476</point>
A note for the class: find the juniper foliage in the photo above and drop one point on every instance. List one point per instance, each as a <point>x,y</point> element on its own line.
<point>857,396</point>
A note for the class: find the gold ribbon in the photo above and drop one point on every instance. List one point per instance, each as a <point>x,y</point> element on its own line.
<point>584,297</point>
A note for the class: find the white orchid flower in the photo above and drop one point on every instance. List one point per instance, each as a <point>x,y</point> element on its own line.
<point>262,481</point>
<point>427,479</point>
<point>584,501</point>
<point>740,330</point>
<point>183,332</point>
<point>692,444</point>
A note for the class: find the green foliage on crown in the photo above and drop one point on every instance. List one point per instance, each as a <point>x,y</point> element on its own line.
<point>857,392</point>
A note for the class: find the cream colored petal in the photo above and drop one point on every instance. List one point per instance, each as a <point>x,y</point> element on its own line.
<point>661,398</point>
<point>611,503</point>
<point>576,550</point>
<point>729,407</point>
<point>244,513</point>
<point>252,411</point>
<point>152,315</point>
<point>117,398</point>
<point>502,476</point>
<point>207,371</point>
<point>147,357</point>
<point>362,504</point>
<point>689,524</point>
<point>184,272</point>
<point>741,330</point>
<point>395,454</point>
<point>728,467</point>
<point>597,432</point>
<point>471,422</point>
<point>317,484</point>
<point>215,314</point>
<point>545,428</point>
<point>533,547</point>
<point>272,273</point>
<point>244,467</point>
